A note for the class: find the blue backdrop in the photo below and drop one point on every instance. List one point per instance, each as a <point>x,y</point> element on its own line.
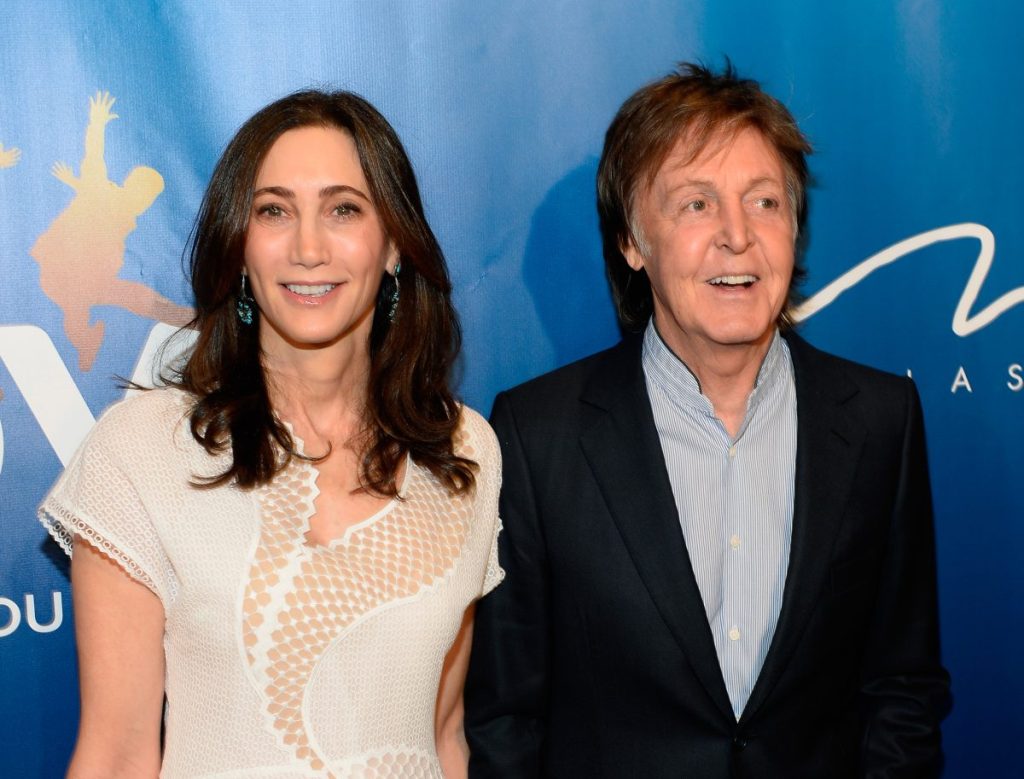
<point>914,108</point>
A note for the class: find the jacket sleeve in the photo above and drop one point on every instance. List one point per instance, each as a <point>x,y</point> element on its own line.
<point>506,688</point>
<point>904,688</point>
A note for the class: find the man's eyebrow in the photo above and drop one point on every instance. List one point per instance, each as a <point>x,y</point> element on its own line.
<point>760,181</point>
<point>708,185</point>
<point>704,184</point>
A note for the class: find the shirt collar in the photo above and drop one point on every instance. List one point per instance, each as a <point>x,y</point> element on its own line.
<point>673,377</point>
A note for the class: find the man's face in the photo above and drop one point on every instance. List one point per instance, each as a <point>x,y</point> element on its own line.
<point>720,236</point>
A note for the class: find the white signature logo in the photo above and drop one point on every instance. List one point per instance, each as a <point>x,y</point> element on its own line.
<point>963,322</point>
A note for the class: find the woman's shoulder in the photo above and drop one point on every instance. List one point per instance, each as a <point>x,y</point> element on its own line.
<point>475,439</point>
<point>143,418</point>
<point>155,405</point>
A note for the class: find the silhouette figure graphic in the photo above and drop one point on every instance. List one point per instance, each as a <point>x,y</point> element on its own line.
<point>9,157</point>
<point>82,251</point>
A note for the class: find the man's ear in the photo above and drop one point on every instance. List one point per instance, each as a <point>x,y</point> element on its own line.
<point>633,256</point>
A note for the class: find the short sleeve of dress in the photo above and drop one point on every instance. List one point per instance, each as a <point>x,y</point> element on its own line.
<point>495,573</point>
<point>483,446</point>
<point>98,499</point>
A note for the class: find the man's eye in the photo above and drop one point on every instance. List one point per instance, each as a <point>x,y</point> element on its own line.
<point>697,205</point>
<point>769,203</point>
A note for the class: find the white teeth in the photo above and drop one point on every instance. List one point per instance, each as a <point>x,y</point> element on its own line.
<point>310,290</point>
<point>732,280</point>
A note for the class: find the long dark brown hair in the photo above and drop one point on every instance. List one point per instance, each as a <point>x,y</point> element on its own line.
<point>410,408</point>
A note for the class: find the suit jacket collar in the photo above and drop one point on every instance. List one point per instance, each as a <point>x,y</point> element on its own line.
<point>830,437</point>
<point>622,448</point>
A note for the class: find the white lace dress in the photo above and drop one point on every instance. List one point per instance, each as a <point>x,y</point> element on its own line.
<point>284,659</point>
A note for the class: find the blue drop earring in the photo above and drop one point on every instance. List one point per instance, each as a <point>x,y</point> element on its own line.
<point>243,306</point>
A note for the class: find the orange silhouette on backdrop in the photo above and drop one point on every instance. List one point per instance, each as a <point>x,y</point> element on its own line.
<point>82,251</point>
<point>9,157</point>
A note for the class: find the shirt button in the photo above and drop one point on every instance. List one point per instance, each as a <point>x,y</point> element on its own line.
<point>732,450</point>
<point>734,633</point>
<point>735,541</point>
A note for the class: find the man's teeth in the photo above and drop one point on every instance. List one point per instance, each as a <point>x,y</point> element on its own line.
<point>310,290</point>
<point>732,280</point>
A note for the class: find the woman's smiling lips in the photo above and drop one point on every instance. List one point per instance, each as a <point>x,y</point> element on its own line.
<point>310,294</point>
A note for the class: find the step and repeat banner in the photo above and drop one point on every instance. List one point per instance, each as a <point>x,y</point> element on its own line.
<point>112,115</point>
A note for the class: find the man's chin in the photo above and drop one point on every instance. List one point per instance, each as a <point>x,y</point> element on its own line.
<point>741,337</point>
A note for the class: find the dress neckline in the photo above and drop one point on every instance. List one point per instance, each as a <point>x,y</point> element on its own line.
<point>343,540</point>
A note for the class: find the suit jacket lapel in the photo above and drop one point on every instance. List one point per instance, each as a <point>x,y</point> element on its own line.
<point>623,450</point>
<point>829,441</point>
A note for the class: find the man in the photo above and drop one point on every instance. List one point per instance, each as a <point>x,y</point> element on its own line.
<point>718,540</point>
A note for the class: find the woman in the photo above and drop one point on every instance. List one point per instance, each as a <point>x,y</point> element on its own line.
<point>306,515</point>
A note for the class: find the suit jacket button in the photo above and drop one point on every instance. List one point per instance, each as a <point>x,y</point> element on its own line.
<point>739,743</point>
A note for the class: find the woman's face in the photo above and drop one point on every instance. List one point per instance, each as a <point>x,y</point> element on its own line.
<point>315,249</point>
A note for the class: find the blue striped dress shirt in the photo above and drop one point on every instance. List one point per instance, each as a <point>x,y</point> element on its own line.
<point>735,500</point>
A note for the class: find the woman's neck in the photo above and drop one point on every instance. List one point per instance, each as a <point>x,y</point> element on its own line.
<point>322,393</point>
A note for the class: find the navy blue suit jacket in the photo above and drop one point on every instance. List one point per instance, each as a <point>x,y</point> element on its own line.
<point>594,657</point>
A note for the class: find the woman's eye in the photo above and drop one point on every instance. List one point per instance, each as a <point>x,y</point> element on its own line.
<point>270,210</point>
<point>345,209</point>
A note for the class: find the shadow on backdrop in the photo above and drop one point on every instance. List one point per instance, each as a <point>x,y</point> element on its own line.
<point>563,268</point>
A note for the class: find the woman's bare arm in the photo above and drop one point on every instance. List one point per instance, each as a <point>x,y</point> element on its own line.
<point>452,750</point>
<point>119,626</point>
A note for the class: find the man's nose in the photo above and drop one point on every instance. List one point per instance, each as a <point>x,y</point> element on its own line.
<point>734,232</point>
